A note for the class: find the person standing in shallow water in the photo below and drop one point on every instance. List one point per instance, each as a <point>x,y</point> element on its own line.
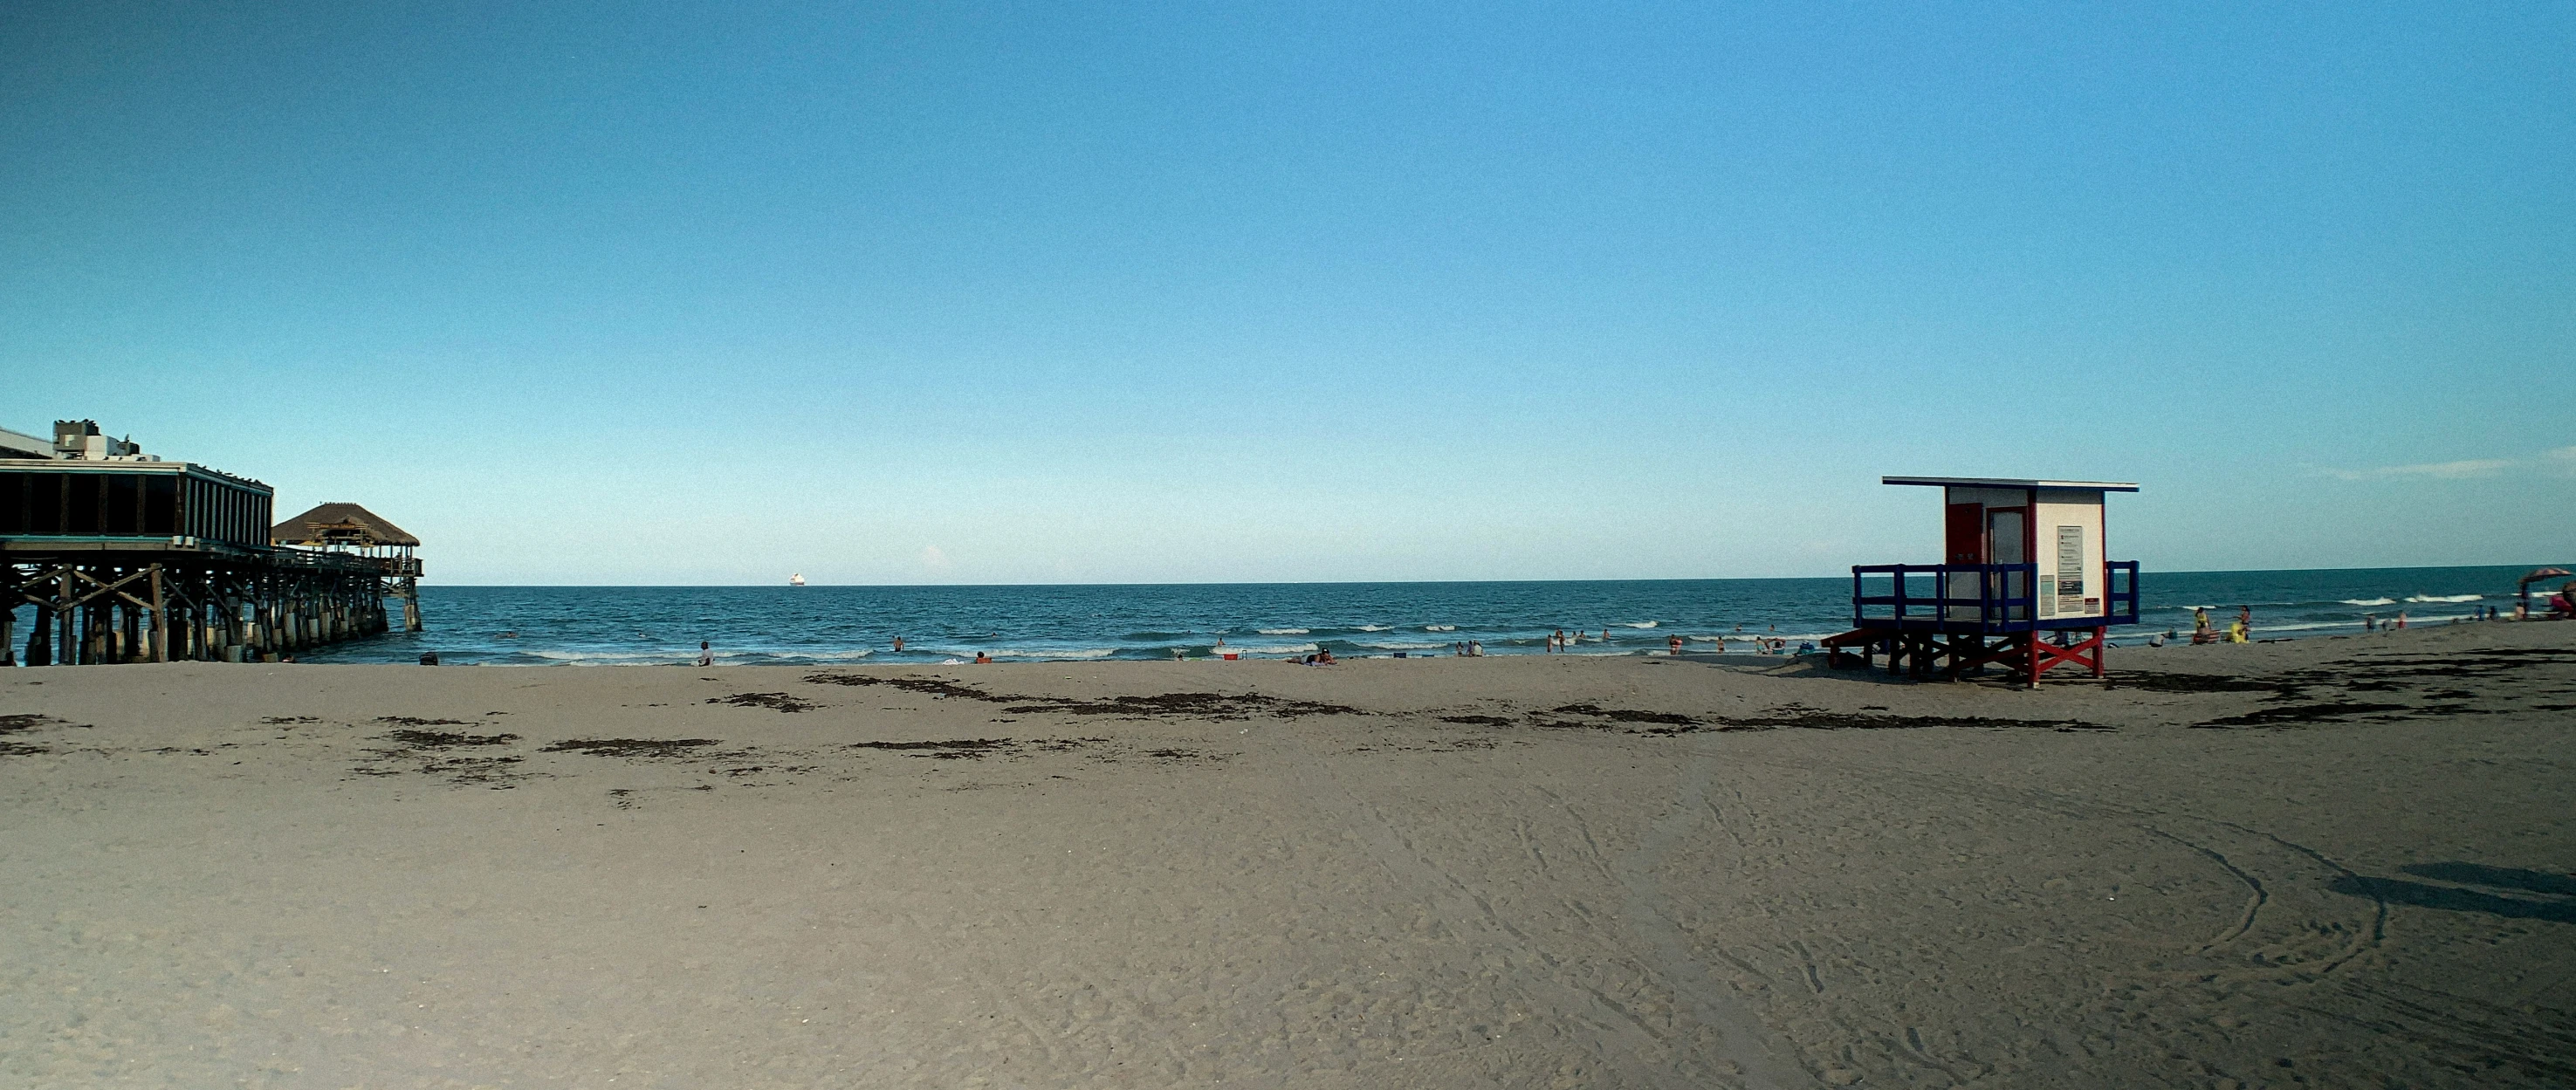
<point>706,654</point>
<point>898,645</point>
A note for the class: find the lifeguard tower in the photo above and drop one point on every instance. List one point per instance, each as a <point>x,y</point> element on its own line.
<point>2023,583</point>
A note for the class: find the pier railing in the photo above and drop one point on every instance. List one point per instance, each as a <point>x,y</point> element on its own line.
<point>1982,598</point>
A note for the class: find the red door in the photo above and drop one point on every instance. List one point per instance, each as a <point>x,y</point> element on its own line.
<point>1966,526</point>
<point>1967,534</point>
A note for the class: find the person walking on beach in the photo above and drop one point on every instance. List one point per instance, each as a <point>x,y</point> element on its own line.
<point>2199,621</point>
<point>706,654</point>
<point>1675,643</point>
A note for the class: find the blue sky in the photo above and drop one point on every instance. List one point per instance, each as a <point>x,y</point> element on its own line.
<point>710,293</point>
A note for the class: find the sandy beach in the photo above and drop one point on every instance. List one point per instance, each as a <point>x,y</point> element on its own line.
<point>2334,862</point>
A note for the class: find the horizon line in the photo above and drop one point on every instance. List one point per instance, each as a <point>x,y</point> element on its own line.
<point>1384,582</point>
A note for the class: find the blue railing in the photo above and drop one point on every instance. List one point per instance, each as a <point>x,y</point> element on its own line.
<point>1985,597</point>
<point>2118,592</point>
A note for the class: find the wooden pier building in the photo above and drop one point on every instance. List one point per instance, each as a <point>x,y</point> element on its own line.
<point>350,530</point>
<point>128,558</point>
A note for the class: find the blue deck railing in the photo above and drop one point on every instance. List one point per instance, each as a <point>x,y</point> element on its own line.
<point>1980,598</point>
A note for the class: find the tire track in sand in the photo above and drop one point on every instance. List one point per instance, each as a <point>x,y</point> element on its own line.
<point>1747,1056</point>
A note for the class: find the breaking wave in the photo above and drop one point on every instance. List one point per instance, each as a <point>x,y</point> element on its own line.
<point>2444,597</point>
<point>1277,649</point>
<point>1066,653</point>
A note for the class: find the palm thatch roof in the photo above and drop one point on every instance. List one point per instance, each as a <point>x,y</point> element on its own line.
<point>339,524</point>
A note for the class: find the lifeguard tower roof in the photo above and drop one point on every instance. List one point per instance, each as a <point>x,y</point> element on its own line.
<point>2011,482</point>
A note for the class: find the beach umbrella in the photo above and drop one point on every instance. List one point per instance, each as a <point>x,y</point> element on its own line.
<point>2524,588</point>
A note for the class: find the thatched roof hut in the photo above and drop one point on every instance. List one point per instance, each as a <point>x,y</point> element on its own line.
<point>340,524</point>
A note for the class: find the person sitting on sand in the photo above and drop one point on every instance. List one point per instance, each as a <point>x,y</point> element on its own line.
<point>1475,649</point>
<point>1323,658</point>
<point>706,654</point>
<point>982,659</point>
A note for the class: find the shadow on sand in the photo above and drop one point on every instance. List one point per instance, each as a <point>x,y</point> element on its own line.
<point>2556,902</point>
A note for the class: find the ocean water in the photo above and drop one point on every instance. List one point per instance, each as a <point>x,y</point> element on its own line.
<point>535,626</point>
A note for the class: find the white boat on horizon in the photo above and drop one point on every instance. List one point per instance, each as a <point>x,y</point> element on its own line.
<point>796,580</point>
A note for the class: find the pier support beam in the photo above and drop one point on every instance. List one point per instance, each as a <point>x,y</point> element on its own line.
<point>158,609</point>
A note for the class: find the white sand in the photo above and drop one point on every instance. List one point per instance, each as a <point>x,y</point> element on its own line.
<point>198,895</point>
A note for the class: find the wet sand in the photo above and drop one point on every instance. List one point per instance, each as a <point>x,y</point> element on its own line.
<point>2339,862</point>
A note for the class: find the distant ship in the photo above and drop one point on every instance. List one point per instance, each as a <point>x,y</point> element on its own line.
<point>796,580</point>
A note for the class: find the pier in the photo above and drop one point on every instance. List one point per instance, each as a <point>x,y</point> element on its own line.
<point>128,558</point>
